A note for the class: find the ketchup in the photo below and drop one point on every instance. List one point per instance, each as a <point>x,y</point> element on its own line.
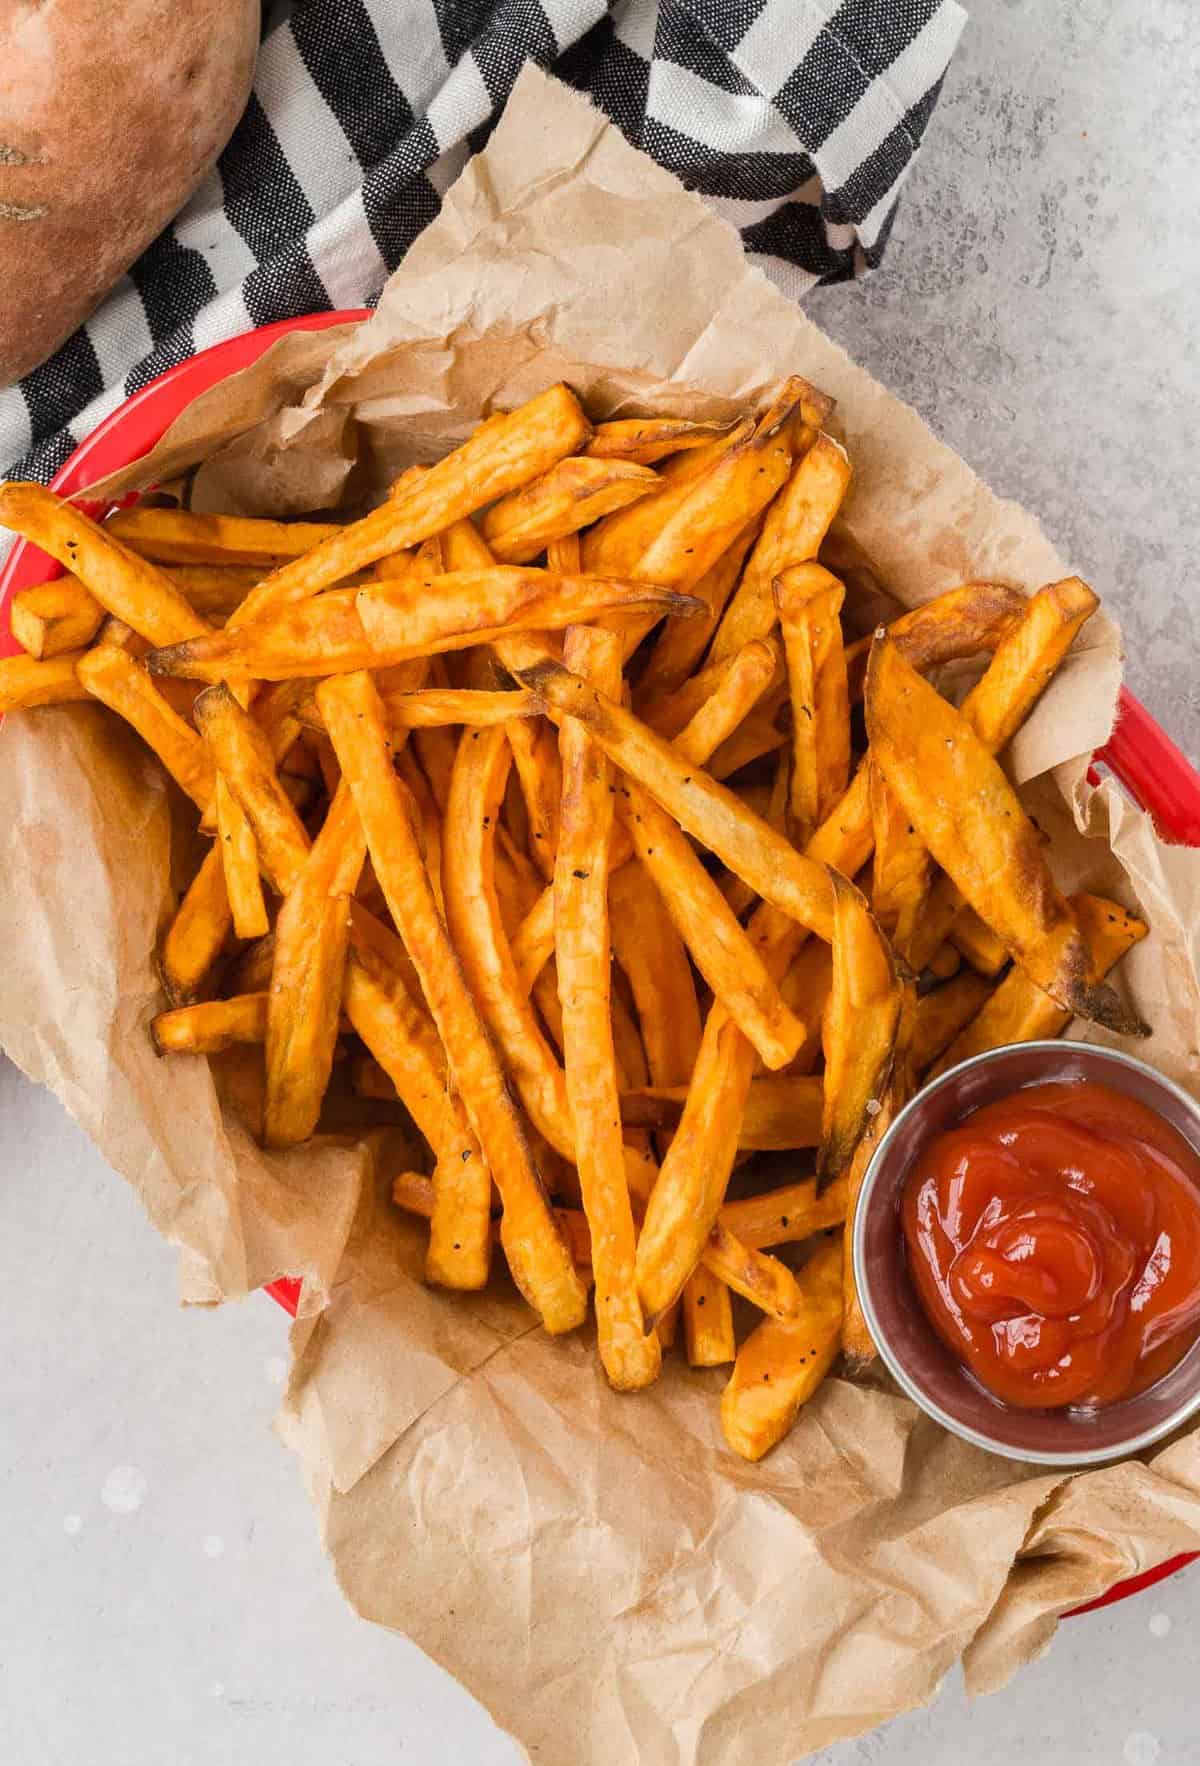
<point>1054,1242</point>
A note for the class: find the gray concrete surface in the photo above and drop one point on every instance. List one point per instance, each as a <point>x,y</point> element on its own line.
<point>163,1601</point>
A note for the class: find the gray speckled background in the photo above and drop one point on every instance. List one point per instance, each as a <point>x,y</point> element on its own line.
<point>163,1601</point>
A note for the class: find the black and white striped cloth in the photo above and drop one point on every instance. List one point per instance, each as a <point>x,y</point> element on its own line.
<point>798,120</point>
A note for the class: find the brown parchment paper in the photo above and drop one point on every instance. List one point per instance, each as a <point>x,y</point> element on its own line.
<point>600,1570</point>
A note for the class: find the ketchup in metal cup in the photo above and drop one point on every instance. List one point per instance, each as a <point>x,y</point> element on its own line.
<point>1053,1238</point>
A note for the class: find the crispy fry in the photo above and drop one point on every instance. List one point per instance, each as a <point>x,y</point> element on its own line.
<point>111,675</point>
<point>683,642</point>
<point>385,623</point>
<point>805,990</point>
<point>243,752</point>
<point>572,495</point>
<point>758,1277</point>
<point>859,1029</point>
<point>312,935</point>
<point>781,1364</point>
<point>535,750</point>
<point>756,736</point>
<point>970,818</point>
<point>55,616</point>
<point>707,1320</point>
<point>252,971</point>
<point>787,1215</point>
<point>1026,660</point>
<point>780,1114</point>
<point>213,590</point>
<point>653,958</point>
<point>239,857</point>
<point>1020,1011</point>
<point>124,584</point>
<point>537,1254</point>
<point>533,941</point>
<point>749,675</point>
<point>945,962</point>
<point>902,869</point>
<point>941,1014</point>
<point>505,452</point>
<point>703,808</point>
<point>616,544</point>
<point>796,524</point>
<point>383,1010</point>
<point>196,936</point>
<point>179,536</point>
<point>429,821</point>
<point>962,622</point>
<point>25,682</point>
<point>631,1355</point>
<point>809,601</point>
<point>647,439</point>
<point>857,1343</point>
<point>977,942</point>
<point>718,945</point>
<point>213,1025</point>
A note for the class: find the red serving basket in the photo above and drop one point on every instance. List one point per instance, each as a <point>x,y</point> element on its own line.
<point>1139,754</point>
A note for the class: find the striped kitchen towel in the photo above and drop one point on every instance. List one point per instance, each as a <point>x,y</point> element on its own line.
<point>797,120</point>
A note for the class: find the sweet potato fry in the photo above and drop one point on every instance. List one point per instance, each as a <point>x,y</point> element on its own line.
<point>901,873</point>
<point>213,590</point>
<point>962,622</point>
<point>1020,1011</point>
<point>977,942</point>
<point>25,682</point>
<point>196,936</point>
<point>757,735</point>
<point>781,1114</point>
<point>179,536</point>
<point>535,750</point>
<point>537,1254</point>
<point>211,1026</point>
<point>647,439</point>
<point>719,946</point>
<point>533,941</point>
<point>243,752</point>
<point>707,1320</point>
<point>787,1215</point>
<point>683,642</point>
<point>796,523</point>
<point>56,616</point>
<point>653,958</point>
<point>252,971</point>
<point>755,1275</point>
<point>631,1355</point>
<point>1026,659</point>
<point>809,601</point>
<point>972,822</point>
<point>614,545</point>
<point>239,857</point>
<point>505,452</point>
<point>743,684</point>
<point>312,935</point>
<point>945,962</point>
<point>385,623</point>
<point>111,675</point>
<point>781,1363</point>
<point>703,808</point>
<point>805,991</point>
<point>402,1038</point>
<point>941,1014</point>
<point>124,584</point>
<point>572,495</point>
<point>859,1029</point>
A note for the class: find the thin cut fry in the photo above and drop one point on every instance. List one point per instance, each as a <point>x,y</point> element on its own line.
<point>763,1280</point>
<point>781,1114</point>
<point>970,818</point>
<point>243,752</point>
<point>535,750</point>
<point>683,642</point>
<point>572,495</point>
<point>196,936</point>
<point>631,1355</point>
<point>211,1026</point>
<point>796,524</point>
<point>964,621</point>
<point>756,736</point>
<point>787,1215</point>
<point>859,1029</point>
<point>647,439</point>
<point>180,536</point>
<point>703,808</point>
<point>239,856</point>
<point>805,990</point>
<point>312,935</point>
<point>25,682</point>
<point>113,677</point>
<point>537,1254</point>
<point>749,675</point>
<point>653,958</point>
<point>533,941</point>
<point>1026,659</point>
<point>56,616</point>
<point>505,452</point>
<point>977,942</point>
<point>810,600</point>
<point>708,1320</point>
<point>429,821</point>
<point>1020,1011</point>
<point>616,544</point>
<point>124,584</point>
<point>902,869</point>
<point>941,1014</point>
<point>781,1364</point>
